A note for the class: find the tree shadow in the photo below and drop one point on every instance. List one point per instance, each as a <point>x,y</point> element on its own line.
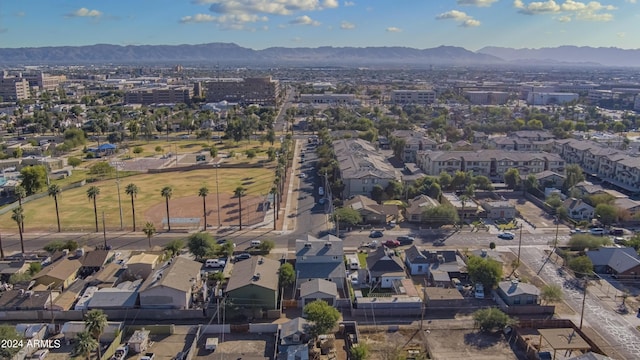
<point>482,340</point>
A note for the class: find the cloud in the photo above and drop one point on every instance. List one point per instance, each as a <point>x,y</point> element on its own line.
<point>591,11</point>
<point>197,18</point>
<point>459,16</point>
<point>280,7</point>
<point>631,1</point>
<point>479,3</point>
<point>20,14</point>
<point>304,20</point>
<point>349,3</point>
<point>564,18</point>
<point>393,29</point>
<point>84,12</point>
<point>345,25</point>
<point>453,14</point>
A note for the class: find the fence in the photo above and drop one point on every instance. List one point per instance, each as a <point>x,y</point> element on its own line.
<point>37,196</point>
<point>116,315</point>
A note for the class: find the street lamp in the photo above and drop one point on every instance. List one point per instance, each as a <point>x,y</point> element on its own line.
<point>117,165</point>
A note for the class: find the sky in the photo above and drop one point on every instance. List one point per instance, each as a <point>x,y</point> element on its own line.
<point>260,24</point>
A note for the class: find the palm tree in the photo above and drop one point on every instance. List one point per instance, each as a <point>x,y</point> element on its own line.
<point>21,193</point>
<point>54,190</point>
<point>84,344</point>
<point>166,193</point>
<point>203,192</point>
<point>95,322</point>
<point>92,194</point>
<point>18,217</point>
<point>240,192</point>
<point>149,229</point>
<point>132,190</point>
<point>274,191</point>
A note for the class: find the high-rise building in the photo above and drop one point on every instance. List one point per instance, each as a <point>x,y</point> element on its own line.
<point>164,95</point>
<point>44,81</point>
<point>261,91</point>
<point>413,96</point>
<point>13,88</point>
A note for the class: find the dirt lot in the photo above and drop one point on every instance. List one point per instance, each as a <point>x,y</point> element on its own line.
<point>237,346</point>
<point>391,344</point>
<point>468,344</point>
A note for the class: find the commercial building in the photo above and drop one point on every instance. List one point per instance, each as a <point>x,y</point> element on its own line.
<point>487,97</point>
<point>44,81</point>
<point>13,88</point>
<point>163,95</point>
<point>413,96</point>
<point>261,91</point>
<point>328,98</point>
<point>550,98</point>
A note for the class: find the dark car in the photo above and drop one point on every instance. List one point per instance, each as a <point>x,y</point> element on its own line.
<point>391,243</point>
<point>406,240</point>
<point>376,234</point>
<point>242,256</point>
<point>616,232</point>
<point>221,241</point>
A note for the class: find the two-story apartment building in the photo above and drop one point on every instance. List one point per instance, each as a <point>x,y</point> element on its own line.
<point>320,259</point>
<point>362,167</point>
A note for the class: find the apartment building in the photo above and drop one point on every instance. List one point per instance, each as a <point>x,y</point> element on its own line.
<point>490,163</point>
<point>413,97</point>
<point>362,167</point>
<point>479,97</point>
<point>162,95</point>
<point>44,81</point>
<point>13,88</point>
<point>414,141</point>
<point>261,91</point>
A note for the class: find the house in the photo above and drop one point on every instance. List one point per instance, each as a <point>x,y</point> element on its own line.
<point>318,289</point>
<point>320,259</point>
<point>371,211</point>
<point>417,206</point>
<point>21,299</point>
<point>124,296</point>
<point>68,297</point>
<point>173,286</point>
<point>384,267</point>
<point>549,179</point>
<point>466,208</point>
<point>499,209</point>
<point>578,209</point>
<point>142,265</point>
<point>254,282</point>
<point>439,297</point>
<point>630,207</point>
<point>107,276</point>
<point>294,331</point>
<point>516,293</point>
<point>616,261</point>
<point>10,267</point>
<point>417,263</point>
<point>93,261</point>
<point>60,273</point>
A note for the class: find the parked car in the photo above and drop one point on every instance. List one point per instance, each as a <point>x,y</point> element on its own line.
<point>506,236</point>
<point>577,231</point>
<point>597,231</point>
<point>214,263</point>
<point>376,234</point>
<point>242,256</point>
<point>616,232</point>
<point>438,243</point>
<point>479,292</point>
<point>406,240</point>
<point>392,243</point>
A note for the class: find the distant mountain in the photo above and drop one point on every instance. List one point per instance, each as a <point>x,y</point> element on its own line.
<point>232,53</point>
<point>568,54</point>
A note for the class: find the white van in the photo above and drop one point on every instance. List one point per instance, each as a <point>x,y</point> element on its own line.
<point>255,243</point>
<point>214,263</point>
<point>353,263</point>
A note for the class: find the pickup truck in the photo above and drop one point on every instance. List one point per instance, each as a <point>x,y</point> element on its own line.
<point>148,356</point>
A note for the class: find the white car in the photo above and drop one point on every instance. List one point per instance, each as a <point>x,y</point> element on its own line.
<point>479,293</point>
<point>320,191</point>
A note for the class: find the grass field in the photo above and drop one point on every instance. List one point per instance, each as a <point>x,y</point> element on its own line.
<point>76,211</point>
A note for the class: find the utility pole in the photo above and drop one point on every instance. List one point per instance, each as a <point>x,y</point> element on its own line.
<point>117,166</point>
<point>584,298</point>
<point>555,246</point>
<point>104,231</point>
<point>519,245</point>
<point>218,194</point>
<point>275,207</point>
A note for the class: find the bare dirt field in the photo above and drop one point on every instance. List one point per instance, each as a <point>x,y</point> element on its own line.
<point>237,346</point>
<point>468,344</point>
<point>391,344</point>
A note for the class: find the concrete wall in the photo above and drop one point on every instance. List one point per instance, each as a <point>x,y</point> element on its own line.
<point>216,329</point>
<point>112,315</point>
<point>263,328</point>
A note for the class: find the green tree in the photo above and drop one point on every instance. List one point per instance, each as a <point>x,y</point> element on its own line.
<point>54,191</point>
<point>174,247</point>
<point>74,161</point>
<point>251,153</point>
<point>213,151</point>
<point>445,179</point>
<point>488,272</point>
<point>226,249</point>
<point>149,230</point>
<point>440,215</point>
<point>607,214</point>
<point>267,245</point>
<point>580,242</point>
<point>34,178</point>
<point>286,275</point>
<point>359,351</point>
<point>84,345</point>
<point>200,244</point>
<point>554,200</point>
<point>166,193</point>
<point>581,265</point>
<point>531,182</point>
<point>551,293</point>
<point>21,193</point>
<point>95,321</point>
<point>482,182</point>
<point>323,316</point>
<point>203,192</point>
<point>573,175</point>
<point>512,178</point>
<point>240,192</point>
<point>92,194</point>
<point>491,319</point>
<point>132,190</point>
<point>101,169</point>
<point>347,216</point>
<point>9,335</point>
<point>18,216</point>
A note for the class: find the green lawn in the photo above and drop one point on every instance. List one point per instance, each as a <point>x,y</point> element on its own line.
<point>76,211</point>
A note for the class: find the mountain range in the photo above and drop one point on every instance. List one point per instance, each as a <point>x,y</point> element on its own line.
<point>229,53</point>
